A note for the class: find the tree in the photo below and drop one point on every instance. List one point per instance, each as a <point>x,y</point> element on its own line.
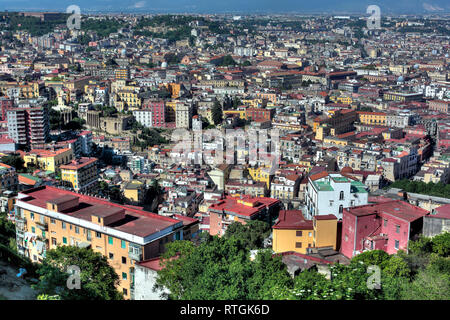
<point>251,234</point>
<point>227,61</point>
<point>98,278</point>
<point>15,161</point>
<point>428,285</point>
<point>441,244</point>
<point>372,257</point>
<point>217,113</point>
<point>219,269</point>
<point>268,272</point>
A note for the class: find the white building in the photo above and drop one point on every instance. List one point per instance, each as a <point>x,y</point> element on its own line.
<point>183,115</point>
<point>144,117</point>
<point>331,193</point>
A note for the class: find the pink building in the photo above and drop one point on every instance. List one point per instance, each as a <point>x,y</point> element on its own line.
<point>158,110</point>
<point>387,226</point>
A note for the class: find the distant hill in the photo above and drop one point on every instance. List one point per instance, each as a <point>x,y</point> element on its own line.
<point>237,6</point>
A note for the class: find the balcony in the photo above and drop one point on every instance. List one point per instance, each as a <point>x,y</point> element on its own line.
<point>19,219</point>
<point>42,225</point>
<point>135,256</point>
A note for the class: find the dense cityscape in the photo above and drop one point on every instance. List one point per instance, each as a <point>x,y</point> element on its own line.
<point>224,157</point>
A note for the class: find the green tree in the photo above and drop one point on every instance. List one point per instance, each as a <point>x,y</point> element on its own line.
<point>251,234</point>
<point>98,278</point>
<point>441,244</point>
<point>428,285</point>
<point>217,113</point>
<point>219,269</point>
<point>15,161</point>
<point>372,257</point>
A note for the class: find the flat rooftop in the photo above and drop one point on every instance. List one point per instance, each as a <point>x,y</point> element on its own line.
<point>136,222</point>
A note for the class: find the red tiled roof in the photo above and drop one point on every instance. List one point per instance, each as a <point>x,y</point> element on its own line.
<point>397,208</point>
<point>293,219</point>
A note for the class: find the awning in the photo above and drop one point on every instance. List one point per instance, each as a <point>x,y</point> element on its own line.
<point>84,245</point>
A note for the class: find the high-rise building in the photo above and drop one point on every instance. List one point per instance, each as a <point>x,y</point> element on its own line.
<point>184,115</point>
<point>29,126</point>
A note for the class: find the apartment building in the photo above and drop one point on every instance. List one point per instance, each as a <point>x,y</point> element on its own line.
<point>81,174</point>
<point>144,117</point>
<point>386,226</point>
<point>48,160</point>
<point>372,118</point>
<point>47,217</point>
<point>401,166</point>
<point>183,116</point>
<point>28,126</point>
<point>8,178</point>
<point>331,193</point>
<point>240,209</point>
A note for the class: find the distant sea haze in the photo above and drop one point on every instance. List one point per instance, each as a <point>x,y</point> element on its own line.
<point>235,6</point>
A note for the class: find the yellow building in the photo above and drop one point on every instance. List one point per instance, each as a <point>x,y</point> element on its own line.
<point>123,235</point>
<point>134,191</point>
<point>48,160</point>
<point>293,233</point>
<point>241,113</point>
<point>260,174</point>
<point>373,118</point>
<point>81,174</point>
<point>130,98</point>
<point>335,141</point>
<point>341,99</point>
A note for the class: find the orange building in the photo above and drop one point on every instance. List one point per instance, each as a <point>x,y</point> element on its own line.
<point>240,209</point>
<point>47,217</point>
<point>292,232</point>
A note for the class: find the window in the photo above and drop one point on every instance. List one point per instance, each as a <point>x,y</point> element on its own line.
<point>341,195</point>
<point>63,225</point>
<point>299,233</point>
<point>110,240</point>
<point>346,238</point>
<point>111,256</point>
<point>77,229</point>
<point>396,244</point>
<point>310,234</point>
<point>124,260</point>
<point>88,235</point>
<point>385,222</point>
<point>298,244</point>
<point>52,221</point>
<point>341,209</point>
<point>54,241</point>
<point>98,234</point>
<point>125,292</point>
<point>32,216</point>
<point>124,276</point>
<point>99,220</point>
<point>397,229</point>
<point>123,244</point>
<point>64,240</point>
<point>33,229</point>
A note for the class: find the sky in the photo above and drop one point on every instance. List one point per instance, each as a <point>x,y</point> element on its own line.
<point>233,6</point>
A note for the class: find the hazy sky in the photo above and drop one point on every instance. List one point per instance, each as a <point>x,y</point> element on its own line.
<point>236,6</point>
